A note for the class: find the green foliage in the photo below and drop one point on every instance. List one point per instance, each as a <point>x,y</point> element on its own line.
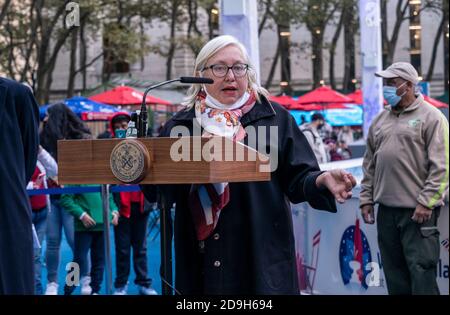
<point>123,42</point>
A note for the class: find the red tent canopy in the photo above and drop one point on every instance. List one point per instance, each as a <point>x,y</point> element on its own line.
<point>435,102</point>
<point>357,97</point>
<point>309,107</point>
<point>125,95</point>
<point>284,100</point>
<point>324,94</point>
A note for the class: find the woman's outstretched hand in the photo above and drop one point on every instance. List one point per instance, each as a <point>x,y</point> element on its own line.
<point>339,182</point>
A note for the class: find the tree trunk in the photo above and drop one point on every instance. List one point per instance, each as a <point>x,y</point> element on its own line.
<point>349,48</point>
<point>285,58</point>
<point>384,33</point>
<point>399,19</point>
<point>142,36</point>
<point>192,26</point>
<point>31,44</point>
<point>210,23</point>
<point>10,47</point>
<point>274,65</point>
<point>264,17</point>
<point>73,62</point>
<point>4,10</point>
<point>43,51</point>
<point>437,38</point>
<point>333,50</point>
<point>83,57</point>
<point>172,46</point>
<point>317,46</point>
<point>48,83</point>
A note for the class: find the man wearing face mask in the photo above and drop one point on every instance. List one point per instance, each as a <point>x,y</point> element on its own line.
<point>406,168</point>
<point>311,132</point>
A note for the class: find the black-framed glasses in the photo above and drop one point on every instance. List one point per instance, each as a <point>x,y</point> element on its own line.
<point>221,70</point>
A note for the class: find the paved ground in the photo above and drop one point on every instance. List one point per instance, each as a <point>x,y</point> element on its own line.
<point>153,254</point>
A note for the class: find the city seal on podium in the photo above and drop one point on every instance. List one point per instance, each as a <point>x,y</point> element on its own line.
<point>129,161</point>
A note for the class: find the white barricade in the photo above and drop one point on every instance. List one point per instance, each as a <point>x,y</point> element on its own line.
<point>339,254</point>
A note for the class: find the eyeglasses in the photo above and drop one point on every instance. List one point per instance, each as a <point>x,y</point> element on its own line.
<point>220,70</point>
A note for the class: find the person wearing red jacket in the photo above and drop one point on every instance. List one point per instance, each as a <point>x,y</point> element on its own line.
<point>46,167</point>
<point>131,231</point>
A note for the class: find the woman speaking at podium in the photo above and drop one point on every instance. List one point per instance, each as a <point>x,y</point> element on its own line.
<point>237,238</point>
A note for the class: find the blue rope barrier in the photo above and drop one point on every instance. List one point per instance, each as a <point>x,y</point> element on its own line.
<point>81,190</point>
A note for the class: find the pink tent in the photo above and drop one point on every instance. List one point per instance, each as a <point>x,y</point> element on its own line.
<point>323,94</point>
<point>310,107</point>
<point>284,100</point>
<point>435,102</point>
<point>125,95</point>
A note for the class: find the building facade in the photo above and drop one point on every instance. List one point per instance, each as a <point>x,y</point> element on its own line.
<point>415,42</point>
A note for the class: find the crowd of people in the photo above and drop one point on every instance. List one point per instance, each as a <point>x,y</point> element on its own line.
<point>328,143</point>
<point>80,216</point>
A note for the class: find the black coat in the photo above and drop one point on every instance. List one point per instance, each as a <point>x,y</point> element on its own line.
<point>19,119</point>
<point>252,250</point>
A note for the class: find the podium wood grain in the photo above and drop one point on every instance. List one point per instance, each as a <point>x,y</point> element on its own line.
<point>88,162</point>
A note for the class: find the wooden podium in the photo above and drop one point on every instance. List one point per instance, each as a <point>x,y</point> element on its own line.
<point>185,160</point>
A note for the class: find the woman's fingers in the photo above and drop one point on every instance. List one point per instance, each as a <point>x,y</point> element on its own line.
<point>348,183</point>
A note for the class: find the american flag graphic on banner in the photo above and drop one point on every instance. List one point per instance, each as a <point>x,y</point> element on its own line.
<point>316,238</point>
<point>206,202</point>
<point>445,243</point>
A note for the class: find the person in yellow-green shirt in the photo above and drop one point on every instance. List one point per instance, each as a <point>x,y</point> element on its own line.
<point>406,169</point>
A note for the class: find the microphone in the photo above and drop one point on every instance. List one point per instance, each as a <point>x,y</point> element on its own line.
<point>142,118</point>
<point>196,80</point>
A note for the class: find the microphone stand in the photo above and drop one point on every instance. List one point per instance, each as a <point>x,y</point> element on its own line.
<point>164,210</point>
<point>142,118</point>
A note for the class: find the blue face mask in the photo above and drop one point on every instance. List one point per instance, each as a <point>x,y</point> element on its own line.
<point>120,133</point>
<point>390,94</point>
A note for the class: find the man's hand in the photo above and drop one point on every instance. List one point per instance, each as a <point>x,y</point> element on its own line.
<point>339,182</point>
<point>88,222</point>
<point>115,219</point>
<point>422,214</point>
<point>367,212</point>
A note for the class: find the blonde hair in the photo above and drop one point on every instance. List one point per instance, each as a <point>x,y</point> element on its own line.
<point>210,49</point>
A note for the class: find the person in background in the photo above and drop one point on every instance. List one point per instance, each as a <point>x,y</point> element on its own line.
<point>19,141</point>
<point>406,169</point>
<point>46,167</point>
<point>87,210</point>
<point>302,120</point>
<point>343,150</point>
<point>60,123</point>
<point>332,151</point>
<point>345,135</point>
<point>131,230</point>
<point>106,134</point>
<point>311,132</point>
<point>326,131</point>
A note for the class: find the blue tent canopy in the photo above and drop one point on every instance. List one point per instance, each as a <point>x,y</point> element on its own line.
<point>352,116</point>
<point>85,109</point>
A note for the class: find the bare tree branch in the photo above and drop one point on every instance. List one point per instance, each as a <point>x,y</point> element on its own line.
<point>265,16</point>
<point>4,10</point>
